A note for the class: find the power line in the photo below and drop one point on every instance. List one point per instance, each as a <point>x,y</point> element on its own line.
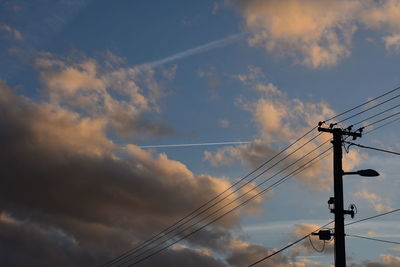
<point>177,234</point>
<point>295,172</point>
<point>278,181</point>
<point>161,233</point>
<point>199,210</point>
<point>312,245</point>
<point>363,104</point>
<point>297,241</point>
<point>375,122</point>
<point>383,125</point>
<point>373,148</point>
<point>236,199</point>
<point>373,217</point>
<point>304,237</point>
<point>377,105</point>
<point>380,113</point>
<point>149,241</point>
<point>374,239</point>
<point>288,246</point>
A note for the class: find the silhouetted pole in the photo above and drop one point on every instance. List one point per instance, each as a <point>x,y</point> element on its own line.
<point>340,248</point>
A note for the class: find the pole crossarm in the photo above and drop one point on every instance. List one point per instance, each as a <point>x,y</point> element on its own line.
<point>346,132</point>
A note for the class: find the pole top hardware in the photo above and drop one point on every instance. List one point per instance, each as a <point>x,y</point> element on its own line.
<point>340,131</point>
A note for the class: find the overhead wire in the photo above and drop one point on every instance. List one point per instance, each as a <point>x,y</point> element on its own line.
<point>376,115</point>
<point>304,237</point>
<point>363,104</point>
<point>383,125</point>
<point>373,148</point>
<point>237,198</point>
<point>312,245</point>
<point>351,223</point>
<point>383,119</point>
<point>200,210</point>
<point>155,237</point>
<point>373,217</point>
<point>288,246</point>
<point>131,254</point>
<point>368,109</point>
<point>162,233</point>
<point>297,171</point>
<point>374,239</point>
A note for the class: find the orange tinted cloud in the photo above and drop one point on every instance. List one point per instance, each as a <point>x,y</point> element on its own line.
<point>317,33</point>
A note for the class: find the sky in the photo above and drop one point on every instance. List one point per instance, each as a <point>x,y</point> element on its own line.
<point>118,118</point>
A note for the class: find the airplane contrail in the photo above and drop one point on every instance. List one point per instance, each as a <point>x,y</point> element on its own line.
<point>197,144</point>
<point>197,50</point>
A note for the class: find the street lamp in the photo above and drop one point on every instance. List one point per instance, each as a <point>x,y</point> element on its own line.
<point>367,173</point>
<point>326,235</point>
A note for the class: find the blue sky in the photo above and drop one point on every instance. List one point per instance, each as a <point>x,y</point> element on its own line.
<point>86,84</point>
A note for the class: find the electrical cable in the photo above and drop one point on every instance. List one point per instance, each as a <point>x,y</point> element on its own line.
<point>380,113</point>
<point>363,104</point>
<point>297,171</point>
<point>140,254</point>
<point>373,217</point>
<point>288,246</point>
<point>380,120</point>
<point>209,201</point>
<point>277,183</point>
<point>187,219</point>
<point>377,105</point>
<point>236,199</point>
<point>374,239</point>
<point>304,237</point>
<point>358,221</point>
<point>374,148</point>
<point>312,245</point>
<point>170,227</point>
<point>239,181</point>
<point>162,233</point>
<point>383,125</point>
<point>388,117</point>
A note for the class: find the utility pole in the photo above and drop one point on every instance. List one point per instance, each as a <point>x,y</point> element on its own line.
<point>337,200</point>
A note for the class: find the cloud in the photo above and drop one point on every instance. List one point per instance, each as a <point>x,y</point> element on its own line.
<point>301,28</point>
<point>119,96</point>
<point>317,33</point>
<point>14,33</point>
<point>69,196</point>
<point>375,201</point>
<point>279,120</point>
<point>253,154</point>
<point>244,253</point>
<point>385,261</point>
<point>392,42</point>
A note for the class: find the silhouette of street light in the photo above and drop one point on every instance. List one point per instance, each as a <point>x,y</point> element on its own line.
<point>366,173</point>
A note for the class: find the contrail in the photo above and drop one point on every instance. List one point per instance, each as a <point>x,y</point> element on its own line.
<point>197,50</point>
<point>197,144</point>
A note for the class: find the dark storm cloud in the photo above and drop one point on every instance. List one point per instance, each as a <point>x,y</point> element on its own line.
<point>68,193</point>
